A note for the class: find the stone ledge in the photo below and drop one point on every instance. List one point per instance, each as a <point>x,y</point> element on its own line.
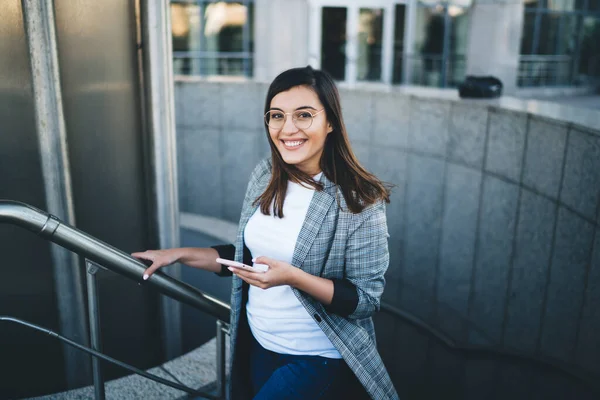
<point>195,369</point>
<point>584,117</point>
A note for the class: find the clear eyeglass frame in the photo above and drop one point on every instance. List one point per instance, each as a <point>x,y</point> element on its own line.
<point>299,118</point>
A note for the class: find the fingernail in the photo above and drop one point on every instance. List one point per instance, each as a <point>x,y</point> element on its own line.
<point>254,260</point>
<point>146,276</point>
<point>230,268</point>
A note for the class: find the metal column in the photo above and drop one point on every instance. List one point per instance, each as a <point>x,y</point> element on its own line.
<point>41,39</point>
<point>160,123</point>
<point>94,320</point>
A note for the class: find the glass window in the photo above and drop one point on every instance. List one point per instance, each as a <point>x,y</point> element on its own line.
<point>212,37</point>
<point>333,41</point>
<point>459,36</point>
<point>429,46</point>
<point>561,5</point>
<point>528,33</point>
<point>441,38</point>
<point>557,42</point>
<point>370,44</point>
<point>460,3</point>
<point>399,43</point>
<point>549,25</point>
<point>185,28</point>
<point>531,4</point>
<point>594,5</point>
<point>567,40</point>
<point>589,61</point>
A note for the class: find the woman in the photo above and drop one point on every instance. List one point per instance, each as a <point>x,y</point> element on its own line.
<point>303,329</point>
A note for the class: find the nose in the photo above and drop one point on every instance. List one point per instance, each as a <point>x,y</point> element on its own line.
<point>288,125</point>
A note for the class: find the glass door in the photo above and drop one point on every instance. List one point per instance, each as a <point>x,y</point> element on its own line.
<point>356,41</point>
<point>333,41</point>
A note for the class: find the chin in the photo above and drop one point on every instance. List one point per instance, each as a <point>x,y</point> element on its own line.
<point>291,159</point>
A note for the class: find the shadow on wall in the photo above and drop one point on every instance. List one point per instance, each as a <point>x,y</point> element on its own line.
<point>494,220</point>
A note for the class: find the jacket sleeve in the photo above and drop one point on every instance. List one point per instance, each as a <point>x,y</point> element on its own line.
<point>367,259</point>
<point>226,251</point>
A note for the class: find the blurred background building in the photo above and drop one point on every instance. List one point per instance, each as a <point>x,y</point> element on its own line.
<point>545,43</point>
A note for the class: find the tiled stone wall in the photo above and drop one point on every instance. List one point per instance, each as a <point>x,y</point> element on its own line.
<point>494,216</point>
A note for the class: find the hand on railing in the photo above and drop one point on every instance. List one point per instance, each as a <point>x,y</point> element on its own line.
<point>156,259</point>
<point>201,258</point>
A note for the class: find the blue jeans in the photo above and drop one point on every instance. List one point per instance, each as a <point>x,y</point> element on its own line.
<point>277,376</point>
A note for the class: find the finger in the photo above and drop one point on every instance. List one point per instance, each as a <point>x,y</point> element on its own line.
<point>143,254</point>
<point>250,281</point>
<point>149,271</point>
<point>249,274</point>
<point>264,260</point>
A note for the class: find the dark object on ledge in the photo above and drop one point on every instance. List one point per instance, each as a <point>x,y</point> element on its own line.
<point>480,87</point>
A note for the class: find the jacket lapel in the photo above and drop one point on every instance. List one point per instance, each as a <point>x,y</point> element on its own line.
<point>317,210</point>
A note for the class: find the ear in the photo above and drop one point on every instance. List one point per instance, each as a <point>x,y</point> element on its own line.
<point>329,127</point>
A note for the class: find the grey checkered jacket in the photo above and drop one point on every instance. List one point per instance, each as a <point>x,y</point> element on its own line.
<point>333,243</point>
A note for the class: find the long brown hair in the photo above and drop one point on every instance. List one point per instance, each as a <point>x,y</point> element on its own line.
<point>338,162</point>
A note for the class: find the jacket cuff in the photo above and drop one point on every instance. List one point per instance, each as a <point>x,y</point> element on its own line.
<point>345,298</point>
<point>226,251</point>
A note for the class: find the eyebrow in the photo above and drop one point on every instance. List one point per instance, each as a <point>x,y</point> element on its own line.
<point>299,108</point>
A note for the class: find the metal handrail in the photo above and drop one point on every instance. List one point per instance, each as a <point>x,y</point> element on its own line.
<point>104,357</point>
<point>99,254</point>
<point>53,229</point>
<point>583,376</point>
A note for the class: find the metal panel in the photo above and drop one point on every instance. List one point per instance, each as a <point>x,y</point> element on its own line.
<point>26,286</point>
<point>97,49</point>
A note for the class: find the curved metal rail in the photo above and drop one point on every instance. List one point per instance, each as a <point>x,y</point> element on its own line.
<point>51,228</point>
<point>586,378</point>
<point>174,385</point>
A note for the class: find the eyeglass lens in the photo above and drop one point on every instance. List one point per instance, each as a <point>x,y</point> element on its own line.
<point>276,119</point>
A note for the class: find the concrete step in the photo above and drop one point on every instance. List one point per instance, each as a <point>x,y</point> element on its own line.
<point>196,369</point>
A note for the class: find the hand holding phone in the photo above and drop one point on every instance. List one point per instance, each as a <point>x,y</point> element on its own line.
<point>235,264</point>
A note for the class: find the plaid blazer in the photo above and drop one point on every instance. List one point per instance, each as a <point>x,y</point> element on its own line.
<point>333,243</point>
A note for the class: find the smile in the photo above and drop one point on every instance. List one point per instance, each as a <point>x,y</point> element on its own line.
<point>293,144</point>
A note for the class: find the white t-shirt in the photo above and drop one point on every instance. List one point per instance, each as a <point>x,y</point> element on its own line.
<point>276,317</point>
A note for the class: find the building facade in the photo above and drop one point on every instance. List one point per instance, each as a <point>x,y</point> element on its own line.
<point>526,43</point>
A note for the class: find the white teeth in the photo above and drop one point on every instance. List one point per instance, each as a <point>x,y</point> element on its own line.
<point>293,144</point>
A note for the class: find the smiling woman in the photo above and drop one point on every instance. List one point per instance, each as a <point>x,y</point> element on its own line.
<point>316,217</point>
<point>300,139</point>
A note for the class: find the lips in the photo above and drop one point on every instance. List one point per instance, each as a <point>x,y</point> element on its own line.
<point>293,144</point>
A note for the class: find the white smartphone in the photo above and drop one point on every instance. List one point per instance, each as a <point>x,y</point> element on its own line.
<point>255,268</point>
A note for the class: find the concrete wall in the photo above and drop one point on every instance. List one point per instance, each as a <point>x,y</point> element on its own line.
<point>494,218</point>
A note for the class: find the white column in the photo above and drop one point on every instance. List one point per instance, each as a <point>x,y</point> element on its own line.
<point>281,37</point>
<point>351,45</point>
<point>387,62</point>
<point>314,35</point>
<point>410,22</point>
<point>495,40</point>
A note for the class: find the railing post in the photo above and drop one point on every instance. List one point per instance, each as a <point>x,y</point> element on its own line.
<point>221,375</point>
<point>94,320</point>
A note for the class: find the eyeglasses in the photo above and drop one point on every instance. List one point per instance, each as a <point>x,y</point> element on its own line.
<point>302,119</point>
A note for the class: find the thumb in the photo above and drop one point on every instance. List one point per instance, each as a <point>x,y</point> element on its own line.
<point>264,260</point>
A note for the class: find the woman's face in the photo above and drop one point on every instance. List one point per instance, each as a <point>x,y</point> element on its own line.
<point>301,147</point>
